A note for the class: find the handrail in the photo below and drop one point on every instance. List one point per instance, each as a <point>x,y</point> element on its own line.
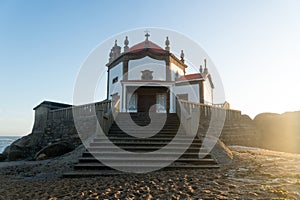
<point>205,110</point>
<point>207,105</point>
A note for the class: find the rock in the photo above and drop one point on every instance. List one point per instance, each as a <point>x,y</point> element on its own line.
<point>265,116</point>
<point>54,150</point>
<point>222,153</point>
<point>279,132</point>
<point>16,155</point>
<point>41,156</point>
<point>23,148</point>
<point>2,157</point>
<point>219,151</point>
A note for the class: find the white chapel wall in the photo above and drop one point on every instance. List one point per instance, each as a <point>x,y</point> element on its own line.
<point>208,93</point>
<point>174,69</point>
<point>136,66</point>
<point>115,72</point>
<point>191,90</point>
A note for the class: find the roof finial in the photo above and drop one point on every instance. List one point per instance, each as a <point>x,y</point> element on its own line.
<point>201,69</point>
<point>111,55</point>
<point>182,56</point>
<point>147,35</point>
<point>126,42</point>
<point>167,44</point>
<point>205,67</point>
<point>115,51</point>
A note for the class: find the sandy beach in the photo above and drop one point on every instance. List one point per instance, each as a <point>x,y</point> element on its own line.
<point>253,174</point>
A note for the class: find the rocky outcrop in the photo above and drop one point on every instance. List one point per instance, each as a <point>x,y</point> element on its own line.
<point>220,152</point>
<point>53,125</point>
<point>241,131</point>
<point>28,146</point>
<point>2,157</point>
<point>46,131</point>
<point>54,150</point>
<point>23,148</point>
<point>280,132</point>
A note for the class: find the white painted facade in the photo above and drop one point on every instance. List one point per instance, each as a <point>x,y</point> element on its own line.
<point>135,67</point>
<point>208,93</point>
<point>191,90</point>
<point>115,73</point>
<point>175,69</point>
<point>151,75</point>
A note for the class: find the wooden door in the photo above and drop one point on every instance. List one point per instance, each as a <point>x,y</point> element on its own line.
<point>145,102</point>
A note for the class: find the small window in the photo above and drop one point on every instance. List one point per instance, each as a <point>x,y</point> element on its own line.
<point>115,80</point>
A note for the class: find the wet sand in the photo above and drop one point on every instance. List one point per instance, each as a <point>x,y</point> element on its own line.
<point>253,174</point>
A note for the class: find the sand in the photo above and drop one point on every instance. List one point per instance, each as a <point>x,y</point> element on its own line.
<point>253,174</point>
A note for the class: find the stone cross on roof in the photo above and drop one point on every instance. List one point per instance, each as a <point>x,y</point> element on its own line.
<point>147,35</point>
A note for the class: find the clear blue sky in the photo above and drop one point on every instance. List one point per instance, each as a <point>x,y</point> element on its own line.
<point>254,44</point>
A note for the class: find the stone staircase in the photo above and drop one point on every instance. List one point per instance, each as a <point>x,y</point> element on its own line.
<point>88,165</point>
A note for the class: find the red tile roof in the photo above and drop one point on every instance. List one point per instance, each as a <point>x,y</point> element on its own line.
<point>142,45</point>
<point>152,81</point>
<point>190,77</point>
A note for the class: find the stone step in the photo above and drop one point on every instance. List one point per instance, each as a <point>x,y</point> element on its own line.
<point>141,119</point>
<point>185,152</point>
<point>147,121</point>
<point>141,128</point>
<point>146,159</point>
<point>147,149</point>
<point>147,116</point>
<point>161,155</point>
<point>154,118</point>
<point>146,136</point>
<point>152,139</point>
<point>133,129</point>
<point>128,144</point>
<point>146,133</point>
<point>136,166</point>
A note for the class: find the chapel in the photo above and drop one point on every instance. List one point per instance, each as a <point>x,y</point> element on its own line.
<point>147,77</point>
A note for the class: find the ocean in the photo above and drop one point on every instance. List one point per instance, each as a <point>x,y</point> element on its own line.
<point>6,141</point>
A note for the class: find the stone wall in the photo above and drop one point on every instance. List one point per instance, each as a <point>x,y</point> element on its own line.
<point>54,123</point>
<point>241,131</point>
<point>61,126</point>
<point>235,128</point>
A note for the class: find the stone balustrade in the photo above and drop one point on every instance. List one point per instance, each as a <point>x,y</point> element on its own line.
<point>207,110</point>
<point>102,110</point>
